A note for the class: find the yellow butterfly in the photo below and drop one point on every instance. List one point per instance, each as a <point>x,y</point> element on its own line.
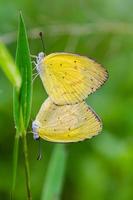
<point>68,123</point>
<point>69,78</point>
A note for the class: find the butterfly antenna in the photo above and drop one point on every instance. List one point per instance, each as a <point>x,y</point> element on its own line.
<point>42,41</point>
<point>39,157</point>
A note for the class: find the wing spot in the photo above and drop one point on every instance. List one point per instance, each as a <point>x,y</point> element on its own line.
<point>91,79</point>
<point>60,64</point>
<point>75,61</point>
<point>63,93</point>
<point>63,77</point>
<point>72,92</point>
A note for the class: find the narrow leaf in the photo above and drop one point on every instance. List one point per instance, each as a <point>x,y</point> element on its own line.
<point>25,67</point>
<point>22,101</point>
<point>55,175</point>
<point>9,67</point>
<point>16,111</point>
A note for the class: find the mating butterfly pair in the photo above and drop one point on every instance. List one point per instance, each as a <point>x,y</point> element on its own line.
<point>68,79</point>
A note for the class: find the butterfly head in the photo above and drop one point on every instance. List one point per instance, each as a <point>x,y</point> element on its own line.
<point>34,128</point>
<point>39,60</point>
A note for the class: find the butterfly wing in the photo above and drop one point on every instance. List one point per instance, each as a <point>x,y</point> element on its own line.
<point>68,123</point>
<point>70,78</point>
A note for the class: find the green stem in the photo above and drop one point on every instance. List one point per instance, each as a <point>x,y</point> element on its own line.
<point>15,161</point>
<point>26,162</point>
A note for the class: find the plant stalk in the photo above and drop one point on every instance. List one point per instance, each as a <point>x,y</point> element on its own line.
<point>15,161</point>
<point>26,162</point>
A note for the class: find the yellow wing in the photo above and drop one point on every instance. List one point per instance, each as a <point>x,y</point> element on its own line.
<point>70,78</point>
<point>68,123</point>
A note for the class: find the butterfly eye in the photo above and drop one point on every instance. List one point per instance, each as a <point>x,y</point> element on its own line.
<point>40,57</point>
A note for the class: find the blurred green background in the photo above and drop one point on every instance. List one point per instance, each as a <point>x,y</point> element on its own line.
<point>100,168</point>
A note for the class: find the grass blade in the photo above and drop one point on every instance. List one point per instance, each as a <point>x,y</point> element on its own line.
<point>22,99</point>
<point>8,66</point>
<point>55,175</point>
<point>12,72</point>
<point>24,63</point>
